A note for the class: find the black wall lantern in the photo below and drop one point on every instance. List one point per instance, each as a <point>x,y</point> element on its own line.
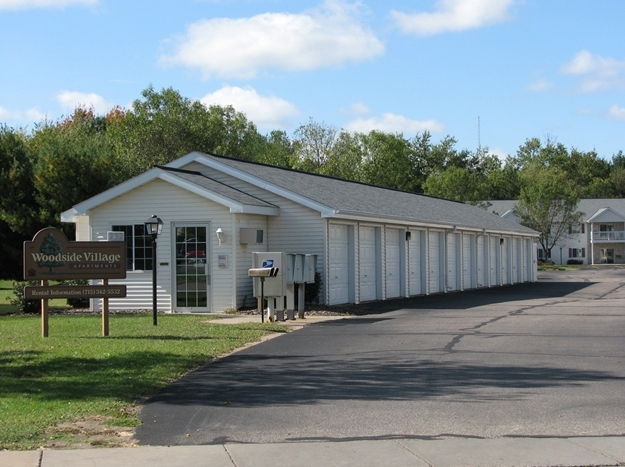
<point>154,227</point>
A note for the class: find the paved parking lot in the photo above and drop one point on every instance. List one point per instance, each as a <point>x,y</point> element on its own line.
<point>544,359</point>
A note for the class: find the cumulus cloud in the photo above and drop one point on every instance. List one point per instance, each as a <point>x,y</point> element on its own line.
<point>72,99</point>
<point>267,112</point>
<point>454,15</point>
<point>597,73</point>
<point>29,4</point>
<point>30,115</point>
<point>617,113</point>
<point>241,48</point>
<point>391,123</point>
<point>357,109</point>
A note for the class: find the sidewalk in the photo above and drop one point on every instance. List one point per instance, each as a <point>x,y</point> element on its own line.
<point>500,452</point>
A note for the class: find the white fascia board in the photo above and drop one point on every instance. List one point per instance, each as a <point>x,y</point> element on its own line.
<point>325,211</point>
<point>422,225</point>
<point>234,206</point>
<point>69,216</point>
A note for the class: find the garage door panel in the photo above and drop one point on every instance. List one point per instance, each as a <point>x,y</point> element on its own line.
<point>393,274</point>
<point>367,265</point>
<point>339,264</point>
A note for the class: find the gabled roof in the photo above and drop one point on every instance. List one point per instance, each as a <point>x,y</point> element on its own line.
<point>236,200</point>
<point>338,198</point>
<point>590,208</point>
<point>607,211</point>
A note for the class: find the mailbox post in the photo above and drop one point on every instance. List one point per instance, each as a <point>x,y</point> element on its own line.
<point>262,273</point>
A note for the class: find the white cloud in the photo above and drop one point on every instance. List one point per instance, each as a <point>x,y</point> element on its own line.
<point>72,99</point>
<point>391,123</point>
<point>541,85</point>
<point>454,15</point>
<point>357,109</point>
<point>599,73</point>
<point>241,48</point>
<point>28,4</point>
<point>30,115</point>
<point>267,112</point>
<point>616,112</point>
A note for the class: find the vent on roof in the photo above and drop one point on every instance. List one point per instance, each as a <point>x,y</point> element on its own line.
<point>251,236</point>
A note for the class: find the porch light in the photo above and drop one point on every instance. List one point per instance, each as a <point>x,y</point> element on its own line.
<point>154,227</point>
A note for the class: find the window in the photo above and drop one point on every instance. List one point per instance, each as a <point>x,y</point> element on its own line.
<point>138,247</point>
<point>577,252</point>
<point>576,229</point>
<point>541,254</point>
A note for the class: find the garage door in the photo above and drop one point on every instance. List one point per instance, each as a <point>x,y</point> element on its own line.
<point>367,268</point>
<point>482,264</point>
<point>494,259</point>
<point>414,256</point>
<point>434,252</point>
<point>453,263</point>
<point>468,261</point>
<point>393,270</point>
<point>506,262</point>
<point>339,264</point>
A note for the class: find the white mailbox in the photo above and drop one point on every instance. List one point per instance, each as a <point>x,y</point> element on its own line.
<point>274,286</point>
<point>310,267</point>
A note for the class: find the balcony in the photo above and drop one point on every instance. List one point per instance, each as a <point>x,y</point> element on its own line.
<point>607,237</point>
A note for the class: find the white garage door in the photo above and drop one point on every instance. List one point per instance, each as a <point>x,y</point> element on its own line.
<point>414,256</point>
<point>482,269</point>
<point>506,261</point>
<point>367,269</point>
<point>434,252</point>
<point>339,264</point>
<point>494,259</point>
<point>453,263</point>
<point>393,274</point>
<point>468,261</point>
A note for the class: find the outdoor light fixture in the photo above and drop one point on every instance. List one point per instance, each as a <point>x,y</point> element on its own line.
<point>220,235</point>
<point>154,227</point>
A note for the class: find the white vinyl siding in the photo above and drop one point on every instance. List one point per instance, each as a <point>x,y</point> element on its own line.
<point>172,204</point>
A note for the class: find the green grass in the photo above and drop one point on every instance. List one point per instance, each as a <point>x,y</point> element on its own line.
<point>6,294</point>
<point>76,373</point>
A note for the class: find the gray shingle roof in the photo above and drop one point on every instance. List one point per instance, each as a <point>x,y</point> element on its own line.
<point>587,206</point>
<point>360,199</point>
<point>217,187</point>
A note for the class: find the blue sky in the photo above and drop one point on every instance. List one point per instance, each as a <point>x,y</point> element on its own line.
<point>525,68</point>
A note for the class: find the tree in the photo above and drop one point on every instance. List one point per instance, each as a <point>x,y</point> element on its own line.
<point>163,126</point>
<point>345,158</point>
<point>313,144</point>
<point>458,184</point>
<point>548,204</point>
<point>389,161</point>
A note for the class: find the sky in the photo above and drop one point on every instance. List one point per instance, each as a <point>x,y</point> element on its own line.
<point>490,73</point>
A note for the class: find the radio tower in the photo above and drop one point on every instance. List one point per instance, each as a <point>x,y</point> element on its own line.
<point>479,142</point>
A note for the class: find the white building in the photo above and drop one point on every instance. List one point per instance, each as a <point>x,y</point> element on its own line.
<point>371,243</point>
<point>599,239</point>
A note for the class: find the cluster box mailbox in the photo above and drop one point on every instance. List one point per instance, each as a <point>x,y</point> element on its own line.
<point>273,286</point>
<point>300,268</point>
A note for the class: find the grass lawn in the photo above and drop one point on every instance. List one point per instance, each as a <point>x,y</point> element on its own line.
<point>75,373</point>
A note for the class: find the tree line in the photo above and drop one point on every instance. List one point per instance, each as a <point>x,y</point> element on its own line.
<point>60,163</point>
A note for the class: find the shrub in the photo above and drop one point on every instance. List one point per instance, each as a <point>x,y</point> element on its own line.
<point>77,302</point>
<point>23,305</point>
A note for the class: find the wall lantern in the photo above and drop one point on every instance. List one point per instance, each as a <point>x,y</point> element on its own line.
<point>221,236</point>
<point>154,227</point>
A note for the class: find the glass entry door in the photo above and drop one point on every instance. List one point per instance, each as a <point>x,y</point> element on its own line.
<point>192,280</point>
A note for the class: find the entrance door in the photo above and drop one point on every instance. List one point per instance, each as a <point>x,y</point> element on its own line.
<point>606,255</point>
<point>192,280</point>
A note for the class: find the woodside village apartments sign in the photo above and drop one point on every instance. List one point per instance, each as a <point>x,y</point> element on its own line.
<point>51,256</point>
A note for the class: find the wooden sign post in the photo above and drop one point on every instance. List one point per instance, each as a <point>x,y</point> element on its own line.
<point>51,256</point>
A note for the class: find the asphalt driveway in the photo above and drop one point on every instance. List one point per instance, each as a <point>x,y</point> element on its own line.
<point>543,359</point>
